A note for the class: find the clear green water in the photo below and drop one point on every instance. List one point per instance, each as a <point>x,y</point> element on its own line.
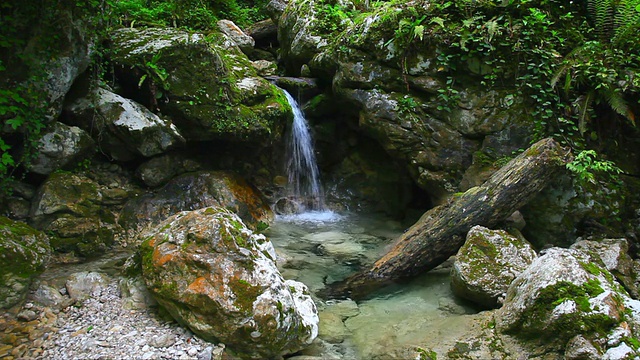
<point>320,248</point>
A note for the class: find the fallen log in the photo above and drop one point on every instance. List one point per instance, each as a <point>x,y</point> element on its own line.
<point>441,231</point>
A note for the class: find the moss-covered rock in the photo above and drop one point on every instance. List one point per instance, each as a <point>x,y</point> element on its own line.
<point>487,263</point>
<point>76,211</point>
<point>24,251</point>
<point>219,279</point>
<point>206,85</point>
<point>563,295</point>
<point>197,190</point>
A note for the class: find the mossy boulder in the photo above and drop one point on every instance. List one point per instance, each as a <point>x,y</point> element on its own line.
<point>487,263</point>
<point>562,295</point>
<point>61,147</point>
<point>24,252</point>
<point>205,84</point>
<point>75,210</point>
<point>123,128</point>
<point>197,190</point>
<point>218,278</point>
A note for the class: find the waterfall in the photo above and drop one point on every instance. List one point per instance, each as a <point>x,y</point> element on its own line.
<point>302,169</point>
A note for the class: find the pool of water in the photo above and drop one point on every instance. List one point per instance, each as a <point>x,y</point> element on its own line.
<point>323,247</point>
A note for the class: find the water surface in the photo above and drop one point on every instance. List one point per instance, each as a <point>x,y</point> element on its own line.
<point>319,248</point>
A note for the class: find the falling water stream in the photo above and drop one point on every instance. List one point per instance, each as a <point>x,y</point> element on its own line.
<point>302,169</point>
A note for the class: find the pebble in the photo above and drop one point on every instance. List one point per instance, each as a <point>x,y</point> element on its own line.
<point>99,328</point>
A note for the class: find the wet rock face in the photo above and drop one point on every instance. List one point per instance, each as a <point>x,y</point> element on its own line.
<point>77,211</point>
<point>487,263</point>
<point>218,278</point>
<point>400,98</point>
<point>24,251</point>
<point>123,128</point>
<point>205,84</point>
<point>198,190</point>
<point>563,295</point>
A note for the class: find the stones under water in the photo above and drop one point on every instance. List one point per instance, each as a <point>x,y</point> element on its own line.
<point>318,249</point>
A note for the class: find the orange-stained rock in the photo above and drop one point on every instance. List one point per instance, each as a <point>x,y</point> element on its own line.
<point>218,278</point>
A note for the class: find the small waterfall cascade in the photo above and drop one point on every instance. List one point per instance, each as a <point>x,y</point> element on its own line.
<point>302,169</point>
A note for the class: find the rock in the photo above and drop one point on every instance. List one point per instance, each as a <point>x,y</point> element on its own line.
<point>487,263</point>
<point>579,348</point>
<point>562,295</point>
<point>123,128</point>
<point>331,328</point>
<point>72,207</point>
<point>299,33</point>
<point>24,252</point>
<point>61,147</point>
<point>27,315</point>
<point>86,284</point>
<point>159,170</point>
<point>233,32</point>
<point>219,279</point>
<point>264,67</point>
<point>162,341</point>
<point>135,295</point>
<point>46,295</point>
<point>198,190</point>
<point>347,251</point>
<point>205,84</point>
<point>275,8</point>
<point>263,30</point>
<point>343,308</point>
<point>613,254</point>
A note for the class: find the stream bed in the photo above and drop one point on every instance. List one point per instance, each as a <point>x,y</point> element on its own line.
<point>319,248</point>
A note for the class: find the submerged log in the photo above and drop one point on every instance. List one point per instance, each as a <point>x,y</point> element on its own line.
<point>441,231</point>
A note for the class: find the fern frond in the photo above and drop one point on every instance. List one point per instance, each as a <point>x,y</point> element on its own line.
<point>619,105</point>
<point>602,13</point>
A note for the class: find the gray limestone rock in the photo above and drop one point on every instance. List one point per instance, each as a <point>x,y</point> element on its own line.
<point>61,147</point>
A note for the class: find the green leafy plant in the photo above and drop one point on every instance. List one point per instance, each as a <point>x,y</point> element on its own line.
<point>586,165</point>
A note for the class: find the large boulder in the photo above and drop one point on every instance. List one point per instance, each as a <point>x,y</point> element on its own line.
<point>562,296</point>
<point>24,252</point>
<point>197,190</point>
<point>123,128</point>
<point>61,146</point>
<point>219,279</point>
<point>76,210</point>
<point>205,84</point>
<point>487,263</point>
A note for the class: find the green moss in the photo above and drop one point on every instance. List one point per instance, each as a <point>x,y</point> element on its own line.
<point>582,321</point>
<point>245,293</point>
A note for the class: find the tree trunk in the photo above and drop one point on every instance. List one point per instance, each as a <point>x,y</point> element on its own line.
<point>441,231</point>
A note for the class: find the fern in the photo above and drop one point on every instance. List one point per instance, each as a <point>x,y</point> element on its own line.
<point>619,105</point>
<point>627,22</point>
<point>602,13</point>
